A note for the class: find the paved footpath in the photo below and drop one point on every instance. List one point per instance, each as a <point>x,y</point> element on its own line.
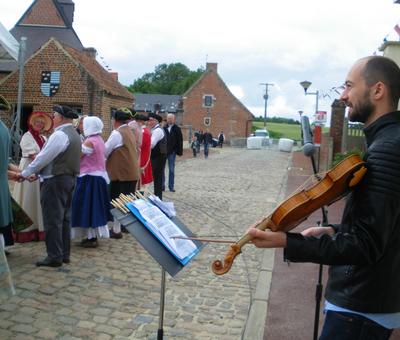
<point>113,292</point>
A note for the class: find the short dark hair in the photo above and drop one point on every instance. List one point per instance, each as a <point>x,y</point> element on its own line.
<point>378,68</point>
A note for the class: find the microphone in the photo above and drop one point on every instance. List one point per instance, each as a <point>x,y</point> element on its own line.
<point>308,145</point>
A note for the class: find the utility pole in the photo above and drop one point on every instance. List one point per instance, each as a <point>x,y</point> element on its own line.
<point>266,100</point>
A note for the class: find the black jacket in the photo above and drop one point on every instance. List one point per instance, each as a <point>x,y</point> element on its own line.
<point>174,140</point>
<point>364,254</point>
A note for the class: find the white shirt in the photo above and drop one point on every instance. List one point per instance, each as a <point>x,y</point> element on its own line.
<point>114,141</point>
<point>156,135</point>
<point>55,145</point>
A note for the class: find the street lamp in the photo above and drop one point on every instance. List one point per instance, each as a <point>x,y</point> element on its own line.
<point>266,100</point>
<point>305,85</point>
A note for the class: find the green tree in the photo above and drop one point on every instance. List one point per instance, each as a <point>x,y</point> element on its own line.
<point>166,79</point>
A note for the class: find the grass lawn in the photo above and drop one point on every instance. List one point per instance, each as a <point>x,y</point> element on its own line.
<point>281,130</point>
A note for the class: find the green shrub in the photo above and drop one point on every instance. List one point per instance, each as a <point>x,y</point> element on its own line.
<point>341,156</point>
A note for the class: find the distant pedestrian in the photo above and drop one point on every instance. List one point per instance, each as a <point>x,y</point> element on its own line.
<point>194,146</point>
<point>174,148</point>
<point>207,140</point>
<point>91,201</point>
<point>199,136</point>
<point>221,139</point>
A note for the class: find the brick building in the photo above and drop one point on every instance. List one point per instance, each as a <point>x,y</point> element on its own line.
<point>58,73</point>
<point>210,104</point>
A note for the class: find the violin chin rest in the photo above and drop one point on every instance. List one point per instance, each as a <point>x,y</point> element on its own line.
<point>357,176</point>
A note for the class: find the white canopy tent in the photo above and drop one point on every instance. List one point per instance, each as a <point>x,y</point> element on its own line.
<point>8,45</point>
<point>11,50</point>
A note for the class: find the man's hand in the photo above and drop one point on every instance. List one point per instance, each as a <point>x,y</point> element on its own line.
<point>318,231</point>
<point>32,178</point>
<point>267,238</point>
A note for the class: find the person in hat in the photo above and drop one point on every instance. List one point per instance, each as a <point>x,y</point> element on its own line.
<point>158,151</point>
<point>27,194</point>
<point>136,129</point>
<point>91,202</point>
<point>122,160</point>
<point>57,166</point>
<point>146,175</point>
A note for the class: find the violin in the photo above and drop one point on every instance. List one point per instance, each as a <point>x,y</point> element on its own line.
<point>335,184</point>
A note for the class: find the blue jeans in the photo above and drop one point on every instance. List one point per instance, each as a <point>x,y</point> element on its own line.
<point>171,171</point>
<point>206,150</point>
<point>349,326</point>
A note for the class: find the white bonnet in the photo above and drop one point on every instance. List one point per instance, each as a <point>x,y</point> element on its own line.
<point>92,125</point>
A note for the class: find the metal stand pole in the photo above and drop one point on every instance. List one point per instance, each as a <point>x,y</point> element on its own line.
<point>319,286</point>
<point>160,332</point>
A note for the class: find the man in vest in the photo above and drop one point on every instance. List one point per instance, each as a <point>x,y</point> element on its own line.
<point>158,151</point>
<point>174,147</point>
<point>122,160</point>
<point>57,165</point>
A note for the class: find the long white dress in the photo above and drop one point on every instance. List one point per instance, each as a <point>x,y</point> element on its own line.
<point>27,194</point>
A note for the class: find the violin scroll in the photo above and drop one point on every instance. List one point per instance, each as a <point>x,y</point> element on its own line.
<point>220,268</point>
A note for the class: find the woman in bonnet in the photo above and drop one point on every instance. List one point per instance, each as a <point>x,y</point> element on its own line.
<point>91,202</point>
<point>27,194</point>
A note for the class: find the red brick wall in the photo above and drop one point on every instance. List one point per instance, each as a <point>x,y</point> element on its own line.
<point>77,87</point>
<point>227,114</point>
<point>336,130</point>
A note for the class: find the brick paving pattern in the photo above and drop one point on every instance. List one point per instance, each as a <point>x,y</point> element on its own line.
<point>113,292</point>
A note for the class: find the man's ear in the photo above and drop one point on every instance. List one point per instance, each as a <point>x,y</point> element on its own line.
<point>379,90</point>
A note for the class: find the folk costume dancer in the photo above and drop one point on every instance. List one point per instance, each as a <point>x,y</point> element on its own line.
<point>27,194</point>
<point>57,165</point>
<point>146,174</point>
<point>158,151</point>
<point>91,202</point>
<point>122,160</point>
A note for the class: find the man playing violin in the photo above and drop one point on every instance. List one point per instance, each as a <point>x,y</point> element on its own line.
<point>363,289</point>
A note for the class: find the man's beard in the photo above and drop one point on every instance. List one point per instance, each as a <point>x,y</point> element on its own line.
<point>362,111</point>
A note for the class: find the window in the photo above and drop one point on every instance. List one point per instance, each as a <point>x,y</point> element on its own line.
<point>208,100</point>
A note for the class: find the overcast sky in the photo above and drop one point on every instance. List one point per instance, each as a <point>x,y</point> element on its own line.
<point>281,42</point>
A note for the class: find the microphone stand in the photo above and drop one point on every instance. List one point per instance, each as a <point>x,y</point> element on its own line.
<point>319,286</point>
<point>306,135</point>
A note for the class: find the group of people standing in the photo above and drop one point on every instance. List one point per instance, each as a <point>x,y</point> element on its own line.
<point>65,183</point>
<point>205,139</point>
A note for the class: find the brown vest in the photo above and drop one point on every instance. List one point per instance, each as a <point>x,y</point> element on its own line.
<point>122,163</point>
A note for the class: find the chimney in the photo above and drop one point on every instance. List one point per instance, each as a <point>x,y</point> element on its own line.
<point>68,7</point>
<point>90,52</point>
<point>114,75</point>
<point>213,67</point>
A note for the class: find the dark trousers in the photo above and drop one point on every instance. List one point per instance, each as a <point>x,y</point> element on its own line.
<point>349,326</point>
<point>122,187</point>
<point>158,164</point>
<point>56,199</point>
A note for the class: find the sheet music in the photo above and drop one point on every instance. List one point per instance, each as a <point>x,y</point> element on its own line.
<point>167,207</point>
<point>164,229</point>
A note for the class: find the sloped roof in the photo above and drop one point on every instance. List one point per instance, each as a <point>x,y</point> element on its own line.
<point>43,20</point>
<point>147,102</point>
<point>43,13</point>
<point>104,79</point>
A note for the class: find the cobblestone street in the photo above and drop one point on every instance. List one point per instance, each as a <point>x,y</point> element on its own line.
<point>113,291</point>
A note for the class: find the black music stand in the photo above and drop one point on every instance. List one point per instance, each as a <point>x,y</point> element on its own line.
<point>157,250</point>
